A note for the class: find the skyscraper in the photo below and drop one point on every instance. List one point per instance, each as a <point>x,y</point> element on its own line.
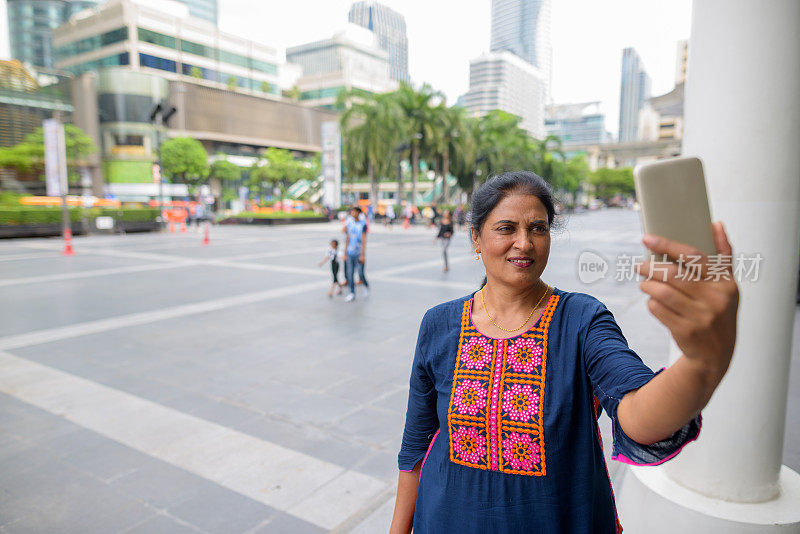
<point>634,90</point>
<point>31,24</point>
<point>389,27</point>
<point>523,28</point>
<point>504,81</point>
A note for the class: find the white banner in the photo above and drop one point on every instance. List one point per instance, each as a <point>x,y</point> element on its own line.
<point>55,157</point>
<point>332,164</point>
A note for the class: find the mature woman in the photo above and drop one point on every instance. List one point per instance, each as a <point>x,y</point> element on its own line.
<point>507,384</point>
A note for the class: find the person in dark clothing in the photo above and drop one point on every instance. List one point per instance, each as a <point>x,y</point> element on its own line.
<point>444,235</point>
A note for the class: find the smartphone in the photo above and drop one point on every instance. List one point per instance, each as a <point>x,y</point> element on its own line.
<point>673,199</point>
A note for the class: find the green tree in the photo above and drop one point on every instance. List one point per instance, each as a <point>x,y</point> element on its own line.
<point>195,72</point>
<point>265,87</point>
<point>225,171</point>
<point>280,169</point>
<point>576,172</point>
<point>608,183</point>
<point>186,159</point>
<point>371,130</point>
<point>420,125</point>
<point>28,155</point>
<point>231,83</point>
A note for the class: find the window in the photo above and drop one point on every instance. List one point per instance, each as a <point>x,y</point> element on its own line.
<point>198,49</point>
<point>146,60</point>
<point>91,43</point>
<point>149,36</point>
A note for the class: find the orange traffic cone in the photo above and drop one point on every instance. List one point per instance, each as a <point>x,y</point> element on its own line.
<point>205,237</point>
<point>68,242</point>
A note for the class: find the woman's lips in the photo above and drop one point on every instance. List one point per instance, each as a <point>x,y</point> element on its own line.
<point>522,263</point>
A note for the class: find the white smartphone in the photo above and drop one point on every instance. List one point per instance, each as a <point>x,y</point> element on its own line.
<point>674,202</point>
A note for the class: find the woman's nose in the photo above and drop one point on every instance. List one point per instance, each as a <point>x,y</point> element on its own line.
<point>523,241</point>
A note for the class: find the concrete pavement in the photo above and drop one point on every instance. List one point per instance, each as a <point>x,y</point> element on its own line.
<point>152,384</point>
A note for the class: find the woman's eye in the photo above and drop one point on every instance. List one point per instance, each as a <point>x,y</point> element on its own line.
<point>504,228</point>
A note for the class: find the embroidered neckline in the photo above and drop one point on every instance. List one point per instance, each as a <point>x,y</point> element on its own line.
<point>495,417</point>
<point>471,302</point>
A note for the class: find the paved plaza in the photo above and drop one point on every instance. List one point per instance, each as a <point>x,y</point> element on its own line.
<point>152,384</point>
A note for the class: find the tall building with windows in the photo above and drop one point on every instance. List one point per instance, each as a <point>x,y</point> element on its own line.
<point>31,24</point>
<point>167,41</point>
<point>523,28</point>
<point>350,59</point>
<point>634,90</point>
<point>389,27</point>
<point>578,124</point>
<point>504,81</point>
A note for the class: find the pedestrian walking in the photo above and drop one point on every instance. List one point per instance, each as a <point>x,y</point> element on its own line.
<point>501,430</point>
<point>332,255</point>
<point>389,215</point>
<point>460,216</point>
<point>444,235</point>
<point>355,250</point>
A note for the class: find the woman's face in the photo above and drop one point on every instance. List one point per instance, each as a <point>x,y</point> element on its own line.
<point>515,241</point>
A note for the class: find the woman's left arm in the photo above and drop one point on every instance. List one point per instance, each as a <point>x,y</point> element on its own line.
<point>701,315</point>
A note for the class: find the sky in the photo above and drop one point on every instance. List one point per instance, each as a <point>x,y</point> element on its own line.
<point>443,35</point>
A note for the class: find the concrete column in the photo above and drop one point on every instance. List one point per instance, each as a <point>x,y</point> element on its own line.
<point>742,118</point>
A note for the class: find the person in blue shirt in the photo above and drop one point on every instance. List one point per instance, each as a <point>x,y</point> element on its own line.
<point>507,383</point>
<point>355,251</point>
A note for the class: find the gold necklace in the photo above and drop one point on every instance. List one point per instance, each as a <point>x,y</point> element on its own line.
<point>483,299</point>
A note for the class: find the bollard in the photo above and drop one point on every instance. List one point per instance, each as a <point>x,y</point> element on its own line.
<point>68,243</point>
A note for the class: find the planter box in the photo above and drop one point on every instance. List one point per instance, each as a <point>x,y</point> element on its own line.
<point>274,222</point>
<point>37,230</point>
<point>125,227</point>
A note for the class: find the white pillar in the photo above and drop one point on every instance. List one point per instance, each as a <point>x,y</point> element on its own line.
<point>742,118</point>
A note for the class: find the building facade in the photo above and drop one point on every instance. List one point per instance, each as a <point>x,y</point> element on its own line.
<point>349,60</point>
<point>661,117</point>
<point>31,24</point>
<point>164,39</point>
<point>25,103</point>
<point>389,27</point>
<point>577,124</point>
<point>203,9</point>
<point>634,90</point>
<point>522,27</point>
<point>504,81</point>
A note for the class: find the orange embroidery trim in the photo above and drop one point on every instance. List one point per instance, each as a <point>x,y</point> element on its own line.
<point>501,427</point>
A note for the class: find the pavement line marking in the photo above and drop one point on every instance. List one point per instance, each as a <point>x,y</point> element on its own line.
<point>306,487</point>
<point>15,257</point>
<point>92,273</point>
<point>37,337</point>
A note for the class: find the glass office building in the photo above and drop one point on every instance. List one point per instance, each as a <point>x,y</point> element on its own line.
<point>203,9</point>
<point>577,124</point>
<point>634,90</point>
<point>31,24</point>
<point>522,27</point>
<point>168,42</point>
<point>389,27</point>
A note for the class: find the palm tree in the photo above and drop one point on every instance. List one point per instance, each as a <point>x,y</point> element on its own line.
<point>416,106</point>
<point>371,129</point>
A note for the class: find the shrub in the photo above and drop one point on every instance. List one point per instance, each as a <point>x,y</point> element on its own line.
<point>36,215</point>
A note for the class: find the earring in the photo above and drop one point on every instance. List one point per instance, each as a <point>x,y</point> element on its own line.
<point>477,255</point>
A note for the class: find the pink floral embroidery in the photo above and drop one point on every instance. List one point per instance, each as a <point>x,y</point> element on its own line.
<point>520,402</point>
<point>470,397</point>
<point>524,354</point>
<point>520,451</point>
<point>476,353</point>
<point>469,443</point>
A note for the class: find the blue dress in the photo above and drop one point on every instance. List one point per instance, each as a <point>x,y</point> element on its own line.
<point>506,429</point>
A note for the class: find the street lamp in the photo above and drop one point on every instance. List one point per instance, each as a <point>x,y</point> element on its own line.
<point>159,116</point>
